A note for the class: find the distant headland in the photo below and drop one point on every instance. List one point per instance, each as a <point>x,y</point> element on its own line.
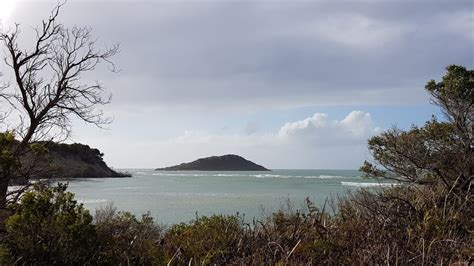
<point>67,161</point>
<point>229,162</point>
<point>78,160</point>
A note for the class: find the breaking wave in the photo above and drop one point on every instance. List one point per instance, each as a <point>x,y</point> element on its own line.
<point>251,175</point>
<point>365,184</point>
<point>172,174</point>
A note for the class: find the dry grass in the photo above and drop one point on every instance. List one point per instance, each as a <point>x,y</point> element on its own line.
<point>404,225</point>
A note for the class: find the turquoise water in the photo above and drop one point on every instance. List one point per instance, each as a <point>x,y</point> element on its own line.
<point>173,197</point>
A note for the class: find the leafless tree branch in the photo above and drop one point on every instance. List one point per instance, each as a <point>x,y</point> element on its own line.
<point>48,88</point>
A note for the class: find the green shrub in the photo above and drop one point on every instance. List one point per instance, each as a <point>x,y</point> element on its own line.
<point>124,239</point>
<point>213,239</point>
<point>49,227</point>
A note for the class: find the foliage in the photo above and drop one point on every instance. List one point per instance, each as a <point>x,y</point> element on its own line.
<point>126,239</point>
<point>401,225</point>
<point>85,152</point>
<point>205,240</point>
<point>439,152</point>
<point>49,227</point>
<point>8,161</point>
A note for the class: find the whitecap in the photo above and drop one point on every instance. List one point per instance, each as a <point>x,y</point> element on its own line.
<point>298,176</point>
<point>139,173</point>
<point>230,175</point>
<point>269,176</point>
<point>175,174</point>
<point>328,176</point>
<point>366,184</point>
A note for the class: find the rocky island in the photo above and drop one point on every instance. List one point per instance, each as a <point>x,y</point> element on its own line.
<point>229,162</point>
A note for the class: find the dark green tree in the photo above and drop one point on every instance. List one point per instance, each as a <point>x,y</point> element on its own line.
<point>440,152</point>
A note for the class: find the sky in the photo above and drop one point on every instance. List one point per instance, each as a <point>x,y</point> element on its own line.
<point>286,84</point>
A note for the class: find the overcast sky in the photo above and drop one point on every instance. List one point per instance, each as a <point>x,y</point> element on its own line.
<point>287,84</point>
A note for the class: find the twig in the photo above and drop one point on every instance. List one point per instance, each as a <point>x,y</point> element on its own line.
<point>293,249</point>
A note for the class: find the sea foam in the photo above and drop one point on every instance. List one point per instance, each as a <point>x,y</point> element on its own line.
<point>366,184</point>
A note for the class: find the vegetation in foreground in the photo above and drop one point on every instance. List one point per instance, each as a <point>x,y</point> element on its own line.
<point>395,226</point>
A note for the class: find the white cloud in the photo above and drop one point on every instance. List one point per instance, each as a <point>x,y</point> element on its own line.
<point>357,126</point>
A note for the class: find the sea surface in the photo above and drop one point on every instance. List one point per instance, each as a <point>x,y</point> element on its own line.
<point>177,196</point>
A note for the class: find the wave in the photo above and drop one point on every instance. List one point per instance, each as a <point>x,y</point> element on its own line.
<point>299,176</point>
<point>172,174</point>
<point>229,175</point>
<point>327,176</point>
<point>252,175</point>
<point>139,173</point>
<point>280,176</point>
<point>270,176</point>
<point>365,184</point>
<point>124,188</point>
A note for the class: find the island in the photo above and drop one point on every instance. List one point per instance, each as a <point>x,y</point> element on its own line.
<point>229,162</point>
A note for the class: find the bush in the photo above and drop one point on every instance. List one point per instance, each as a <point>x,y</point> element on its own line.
<point>49,227</point>
<point>126,239</point>
<point>205,240</point>
<point>405,225</point>
<point>289,235</point>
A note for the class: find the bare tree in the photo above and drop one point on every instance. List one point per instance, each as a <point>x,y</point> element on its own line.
<point>47,88</point>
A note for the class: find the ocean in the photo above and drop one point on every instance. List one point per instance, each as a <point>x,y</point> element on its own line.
<point>178,196</point>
